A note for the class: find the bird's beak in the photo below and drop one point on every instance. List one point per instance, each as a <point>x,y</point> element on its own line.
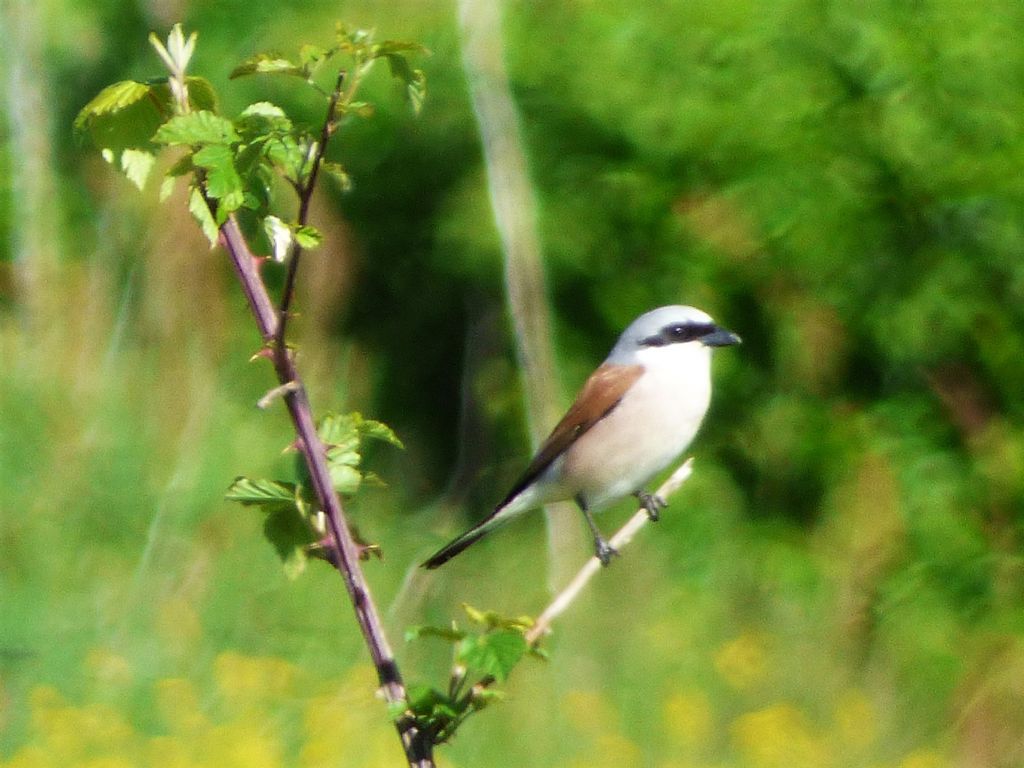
<point>719,338</point>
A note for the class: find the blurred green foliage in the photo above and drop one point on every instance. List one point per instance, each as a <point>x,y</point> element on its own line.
<point>839,584</point>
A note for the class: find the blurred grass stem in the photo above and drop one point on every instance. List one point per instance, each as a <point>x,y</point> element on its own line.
<point>514,209</point>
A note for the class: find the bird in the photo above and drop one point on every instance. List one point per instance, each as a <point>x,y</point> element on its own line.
<point>633,417</point>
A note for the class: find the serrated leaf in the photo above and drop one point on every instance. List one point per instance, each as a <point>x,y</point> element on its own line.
<point>378,430</point>
<point>122,120</point>
<point>358,108</point>
<point>182,166</point>
<point>374,480</point>
<point>280,236</point>
<point>166,188</point>
<point>339,174</point>
<point>201,213</point>
<point>113,98</point>
<point>262,121</point>
<point>265,493</point>
<point>202,127</point>
<point>494,620</point>
<point>136,164</point>
<point>222,180</point>
<point>414,79</point>
<point>416,90</point>
<point>288,154</point>
<point>290,536</point>
<point>345,478</point>
<point>201,95</point>
<point>495,653</point>
<point>424,699</point>
<point>265,109</point>
<point>451,634</point>
<point>308,237</point>
<point>267,64</point>
<point>387,47</point>
<point>339,429</point>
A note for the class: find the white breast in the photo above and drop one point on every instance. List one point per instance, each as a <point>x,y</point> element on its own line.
<point>653,424</point>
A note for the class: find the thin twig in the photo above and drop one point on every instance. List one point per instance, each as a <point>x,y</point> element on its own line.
<point>305,193</point>
<point>621,538</point>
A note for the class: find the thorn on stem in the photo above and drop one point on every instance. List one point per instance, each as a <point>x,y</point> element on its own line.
<point>280,391</point>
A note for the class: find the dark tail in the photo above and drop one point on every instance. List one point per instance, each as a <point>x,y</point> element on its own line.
<point>450,550</point>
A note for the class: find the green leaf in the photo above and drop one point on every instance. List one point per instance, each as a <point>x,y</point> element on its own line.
<point>339,174</point>
<point>267,64</point>
<point>113,98</point>
<point>166,187</point>
<point>262,121</point>
<point>345,478</point>
<point>308,237</point>
<point>127,114</point>
<point>136,164</point>
<point>290,535</point>
<point>358,108</point>
<point>339,429</point>
<point>494,620</point>
<point>201,213</point>
<point>280,236</point>
<point>451,634</point>
<point>182,166</point>
<point>495,653</point>
<point>124,116</point>
<point>289,154</point>
<point>377,430</point>
<point>201,127</point>
<point>222,180</point>
<point>270,494</point>
<point>414,79</point>
<point>425,700</point>
<point>201,95</point>
<point>389,47</point>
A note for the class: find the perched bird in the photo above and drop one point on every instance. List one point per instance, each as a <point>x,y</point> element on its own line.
<point>634,416</point>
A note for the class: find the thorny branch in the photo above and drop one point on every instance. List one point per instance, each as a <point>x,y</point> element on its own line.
<point>417,744</point>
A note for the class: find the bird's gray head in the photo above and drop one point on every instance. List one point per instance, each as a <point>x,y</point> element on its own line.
<point>666,326</point>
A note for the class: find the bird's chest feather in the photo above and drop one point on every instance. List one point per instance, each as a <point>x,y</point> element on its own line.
<point>651,426</point>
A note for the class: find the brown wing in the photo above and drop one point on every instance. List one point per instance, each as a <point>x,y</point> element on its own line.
<point>599,396</point>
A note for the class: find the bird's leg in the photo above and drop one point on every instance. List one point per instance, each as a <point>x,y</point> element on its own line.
<point>602,549</point>
<point>652,503</point>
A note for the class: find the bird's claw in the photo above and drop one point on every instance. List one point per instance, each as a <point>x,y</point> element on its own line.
<point>652,503</point>
<point>604,551</point>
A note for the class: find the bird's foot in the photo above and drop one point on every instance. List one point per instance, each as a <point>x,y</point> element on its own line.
<point>604,551</point>
<point>652,504</point>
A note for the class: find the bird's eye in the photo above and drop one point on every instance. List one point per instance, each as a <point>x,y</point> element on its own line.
<point>679,333</point>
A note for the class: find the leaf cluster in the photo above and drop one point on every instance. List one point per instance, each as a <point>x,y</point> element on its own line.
<point>293,522</point>
<point>232,163</point>
<point>487,653</point>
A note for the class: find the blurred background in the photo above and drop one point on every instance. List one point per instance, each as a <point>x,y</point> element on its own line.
<point>839,584</point>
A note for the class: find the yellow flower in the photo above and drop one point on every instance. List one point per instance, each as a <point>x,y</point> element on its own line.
<point>178,703</point>
<point>742,662</point>
<point>778,737</point>
<point>923,758</point>
<point>689,718</point>
<point>856,721</point>
<point>245,681</point>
